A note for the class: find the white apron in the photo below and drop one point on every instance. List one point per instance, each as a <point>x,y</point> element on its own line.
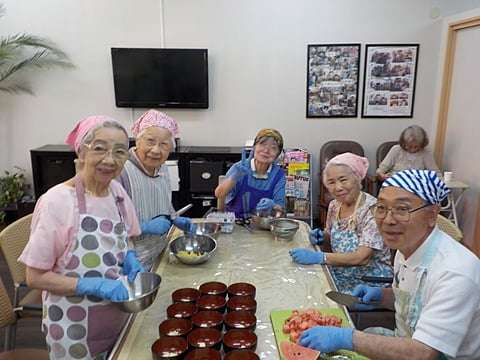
<point>409,306</point>
<point>86,327</point>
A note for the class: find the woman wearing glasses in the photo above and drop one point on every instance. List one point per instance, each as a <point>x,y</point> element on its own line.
<point>145,178</point>
<point>257,181</point>
<point>80,243</point>
<point>357,246</point>
<point>410,153</point>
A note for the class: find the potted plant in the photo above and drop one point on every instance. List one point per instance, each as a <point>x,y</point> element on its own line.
<point>12,191</point>
<point>25,51</point>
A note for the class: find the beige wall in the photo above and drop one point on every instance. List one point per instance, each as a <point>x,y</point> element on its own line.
<point>457,109</point>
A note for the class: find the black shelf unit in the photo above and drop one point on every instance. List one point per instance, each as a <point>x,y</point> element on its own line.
<point>198,167</point>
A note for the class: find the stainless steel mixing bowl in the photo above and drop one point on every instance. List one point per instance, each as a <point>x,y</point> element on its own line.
<point>142,292</point>
<point>194,249</point>
<point>284,229</point>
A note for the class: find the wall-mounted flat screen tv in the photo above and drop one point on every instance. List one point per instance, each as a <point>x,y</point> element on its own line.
<point>160,77</point>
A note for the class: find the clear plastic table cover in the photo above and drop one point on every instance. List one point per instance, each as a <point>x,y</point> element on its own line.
<point>242,256</point>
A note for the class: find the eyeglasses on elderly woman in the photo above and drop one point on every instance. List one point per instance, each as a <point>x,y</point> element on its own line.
<point>101,150</point>
<point>270,146</point>
<point>400,213</point>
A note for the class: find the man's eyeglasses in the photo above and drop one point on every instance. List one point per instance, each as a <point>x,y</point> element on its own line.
<point>101,151</point>
<point>400,213</point>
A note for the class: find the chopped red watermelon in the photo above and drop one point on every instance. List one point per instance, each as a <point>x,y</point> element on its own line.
<point>292,351</point>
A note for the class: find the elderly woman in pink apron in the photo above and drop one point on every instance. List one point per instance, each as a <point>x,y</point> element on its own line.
<point>436,286</point>
<point>358,248</point>
<point>145,178</point>
<point>80,244</point>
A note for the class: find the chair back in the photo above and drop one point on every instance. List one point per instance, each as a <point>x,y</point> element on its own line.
<point>7,316</point>
<point>329,150</point>
<point>13,240</point>
<point>382,151</point>
<point>449,227</point>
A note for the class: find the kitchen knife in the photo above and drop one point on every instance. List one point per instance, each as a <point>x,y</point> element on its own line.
<point>349,300</point>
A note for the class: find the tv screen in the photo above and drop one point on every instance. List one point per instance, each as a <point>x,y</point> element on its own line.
<point>160,78</point>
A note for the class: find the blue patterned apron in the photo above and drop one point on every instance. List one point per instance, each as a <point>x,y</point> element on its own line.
<point>86,327</point>
<point>346,241</point>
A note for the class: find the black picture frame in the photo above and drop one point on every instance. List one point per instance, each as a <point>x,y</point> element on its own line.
<point>389,80</point>
<point>332,80</point>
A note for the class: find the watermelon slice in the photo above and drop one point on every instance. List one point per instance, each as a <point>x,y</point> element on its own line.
<point>292,351</point>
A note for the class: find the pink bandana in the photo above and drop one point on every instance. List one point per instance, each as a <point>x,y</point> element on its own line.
<point>155,118</point>
<point>358,164</point>
<point>75,137</point>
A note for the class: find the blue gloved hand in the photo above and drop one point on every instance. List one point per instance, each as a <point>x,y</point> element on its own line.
<point>367,293</point>
<point>327,338</point>
<point>102,288</point>
<point>185,224</point>
<point>265,204</point>
<point>241,169</point>
<point>131,266</point>
<point>157,226</point>
<point>307,257</point>
<point>315,236</point>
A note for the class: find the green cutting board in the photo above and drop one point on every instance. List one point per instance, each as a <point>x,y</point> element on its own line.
<point>278,318</point>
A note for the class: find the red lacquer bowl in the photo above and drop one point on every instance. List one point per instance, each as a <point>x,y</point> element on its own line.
<point>185,295</point>
<point>213,288</point>
<point>207,319</point>
<point>242,303</point>
<point>212,302</point>
<point>241,355</point>
<point>175,327</point>
<point>240,320</point>
<point>241,289</point>
<point>205,338</point>
<point>182,310</point>
<point>204,354</point>
<point>169,348</point>
<point>239,339</point>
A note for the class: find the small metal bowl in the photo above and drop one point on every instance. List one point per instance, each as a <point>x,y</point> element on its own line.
<point>262,218</point>
<point>194,249</point>
<point>284,229</point>
<point>141,292</point>
<point>207,228</point>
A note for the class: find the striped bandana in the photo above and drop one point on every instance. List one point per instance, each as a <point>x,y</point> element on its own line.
<point>422,183</point>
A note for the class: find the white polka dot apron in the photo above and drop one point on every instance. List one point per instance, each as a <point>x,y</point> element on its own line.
<point>86,327</point>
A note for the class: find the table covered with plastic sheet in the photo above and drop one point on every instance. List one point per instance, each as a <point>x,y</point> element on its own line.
<point>242,256</point>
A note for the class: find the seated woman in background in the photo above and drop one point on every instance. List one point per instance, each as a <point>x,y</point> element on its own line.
<point>145,178</point>
<point>410,153</point>
<point>358,248</point>
<point>256,182</point>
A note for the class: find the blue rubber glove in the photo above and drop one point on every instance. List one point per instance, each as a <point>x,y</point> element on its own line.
<point>307,257</point>
<point>102,288</point>
<point>367,293</point>
<point>131,266</point>
<point>265,204</point>
<point>156,226</point>
<point>185,224</point>
<point>241,168</point>
<point>327,338</point>
<point>315,236</point>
